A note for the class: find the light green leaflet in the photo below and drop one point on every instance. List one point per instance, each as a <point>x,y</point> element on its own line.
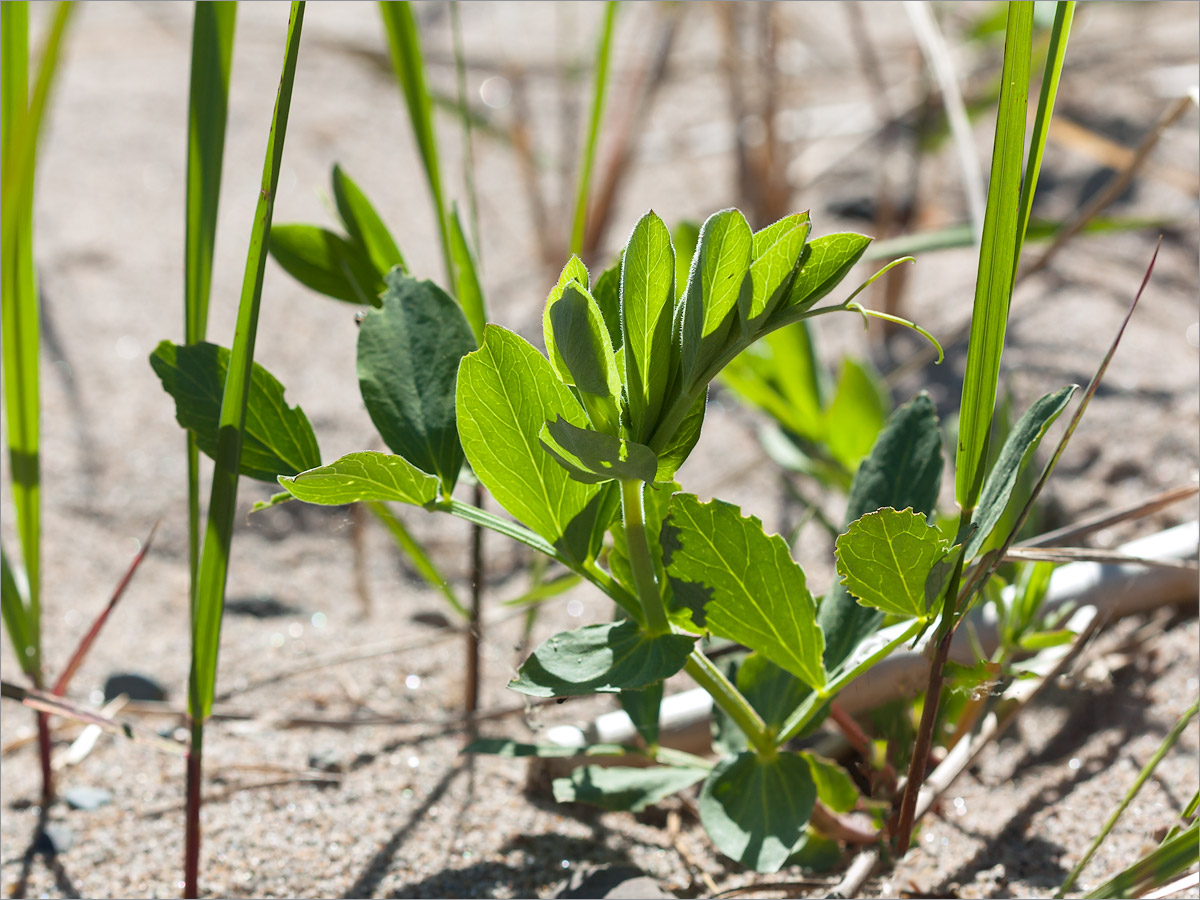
<point>573,272</point>
<point>363,476</point>
<point>759,596</point>
<point>363,224</point>
<point>776,249</point>
<point>647,302</point>
<point>581,340</point>
<point>506,393</point>
<point>715,282</point>
<point>885,557</point>
<point>828,259</point>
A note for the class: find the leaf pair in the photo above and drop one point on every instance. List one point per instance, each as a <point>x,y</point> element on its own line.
<point>350,268</point>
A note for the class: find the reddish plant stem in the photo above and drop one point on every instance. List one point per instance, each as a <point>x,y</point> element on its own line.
<point>191,853</point>
<point>44,748</point>
<point>920,756</point>
<point>475,627</point>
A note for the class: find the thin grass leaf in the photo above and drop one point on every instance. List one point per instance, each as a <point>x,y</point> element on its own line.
<point>208,113</point>
<point>997,259</point>
<point>404,45</point>
<point>1147,770</point>
<point>85,644</point>
<point>466,278</point>
<point>60,706</point>
<point>1064,13</point>
<point>16,617</point>
<point>420,559</point>
<point>603,52</point>
<point>20,126</point>
<point>214,559</point>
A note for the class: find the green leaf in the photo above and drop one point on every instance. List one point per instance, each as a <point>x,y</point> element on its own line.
<point>506,392</point>
<point>755,810</point>
<point>816,852</point>
<point>776,250</point>
<point>835,787</point>
<point>278,438</point>
<point>643,708</point>
<point>327,263</point>
<point>607,294</point>
<point>363,476</point>
<point>904,470</point>
<point>404,48</point>
<point>680,446</point>
<point>856,415</point>
<point>574,272</point>
<point>1018,448</point>
<point>363,224</point>
<point>886,556</point>
<point>408,356</point>
<point>685,236</point>
<point>624,788</point>
<point>647,304</point>
<point>822,268</point>
<point>593,458</point>
<point>466,277</point>
<point>772,691</point>
<point>581,338</point>
<point>615,656</point>
<point>759,596</point>
<point>719,272</point>
<point>998,252</point>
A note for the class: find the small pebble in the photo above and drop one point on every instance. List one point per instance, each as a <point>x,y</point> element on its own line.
<point>87,798</point>
<point>53,839</point>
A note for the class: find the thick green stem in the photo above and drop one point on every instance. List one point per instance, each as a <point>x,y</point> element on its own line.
<point>640,561</point>
<point>805,712</point>
<point>730,699</point>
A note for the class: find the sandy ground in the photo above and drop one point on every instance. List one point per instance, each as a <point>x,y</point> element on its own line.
<point>409,816</point>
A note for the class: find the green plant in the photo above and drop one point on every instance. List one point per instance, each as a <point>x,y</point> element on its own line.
<point>231,383</point>
<point>21,114</point>
<point>581,446</point>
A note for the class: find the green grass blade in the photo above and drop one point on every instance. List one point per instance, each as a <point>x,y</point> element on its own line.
<point>1064,12</point>
<point>20,124</point>
<point>208,112</point>
<point>425,566</point>
<point>997,256</point>
<point>404,45</point>
<point>214,558</point>
<point>16,617</point>
<point>466,278</point>
<point>1147,770</point>
<point>603,52</point>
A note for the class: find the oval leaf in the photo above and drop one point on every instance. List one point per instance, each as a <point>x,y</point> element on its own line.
<point>615,656</point>
<point>719,269</point>
<point>363,476</point>
<point>647,303</point>
<point>582,341</point>
<point>835,787</point>
<point>593,458</point>
<point>755,810</point>
<point>506,392</point>
<point>327,263</point>
<point>885,557</point>
<point>759,596</point>
<point>363,224</point>
<point>278,438</point>
<point>408,355</point>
